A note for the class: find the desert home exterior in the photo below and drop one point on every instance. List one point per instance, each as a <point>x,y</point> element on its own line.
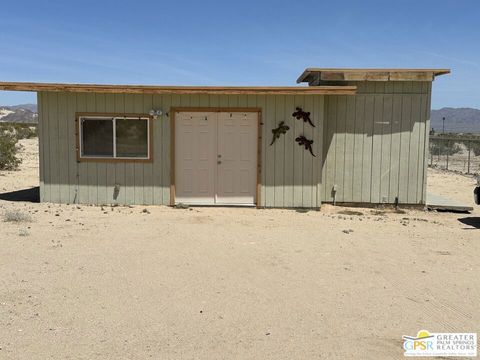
<point>351,136</point>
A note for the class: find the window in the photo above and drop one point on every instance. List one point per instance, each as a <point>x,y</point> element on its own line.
<point>97,137</point>
<point>119,137</point>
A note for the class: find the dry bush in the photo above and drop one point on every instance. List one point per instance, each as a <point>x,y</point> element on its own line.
<point>16,216</point>
<point>476,148</point>
<point>444,148</point>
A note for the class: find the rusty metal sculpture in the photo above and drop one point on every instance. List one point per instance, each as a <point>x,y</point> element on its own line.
<point>300,114</point>
<point>303,141</point>
<point>280,130</point>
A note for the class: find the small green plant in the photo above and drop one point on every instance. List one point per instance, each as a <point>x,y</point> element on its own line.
<point>16,216</point>
<point>23,232</point>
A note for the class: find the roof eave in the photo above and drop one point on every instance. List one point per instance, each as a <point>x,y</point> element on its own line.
<point>333,74</point>
<point>150,89</point>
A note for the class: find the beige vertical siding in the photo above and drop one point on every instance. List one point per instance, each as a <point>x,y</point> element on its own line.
<point>290,176</point>
<point>372,146</point>
<point>374,143</point>
<point>40,130</point>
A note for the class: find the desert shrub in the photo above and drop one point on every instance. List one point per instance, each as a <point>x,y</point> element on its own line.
<point>21,131</point>
<point>25,132</point>
<point>444,148</point>
<point>474,146</point>
<point>16,216</point>
<point>10,133</point>
<point>8,151</point>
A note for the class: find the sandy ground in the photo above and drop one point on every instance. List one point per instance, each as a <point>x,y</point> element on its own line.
<point>454,186</point>
<point>85,282</point>
<point>27,176</point>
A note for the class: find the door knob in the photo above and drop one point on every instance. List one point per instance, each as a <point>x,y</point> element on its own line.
<point>219,156</point>
<point>219,162</point>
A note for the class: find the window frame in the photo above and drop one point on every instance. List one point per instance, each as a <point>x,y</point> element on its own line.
<point>112,117</point>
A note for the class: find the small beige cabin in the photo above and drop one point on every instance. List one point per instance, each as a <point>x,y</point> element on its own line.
<point>350,136</point>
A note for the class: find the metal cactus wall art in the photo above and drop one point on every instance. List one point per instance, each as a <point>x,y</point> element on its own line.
<point>300,114</point>
<point>280,130</point>
<point>303,141</point>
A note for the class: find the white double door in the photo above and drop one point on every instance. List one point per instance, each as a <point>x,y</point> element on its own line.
<point>216,158</point>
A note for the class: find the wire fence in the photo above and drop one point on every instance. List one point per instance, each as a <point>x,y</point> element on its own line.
<point>455,152</point>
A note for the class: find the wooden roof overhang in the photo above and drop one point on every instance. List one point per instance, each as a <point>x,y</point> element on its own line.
<point>151,89</point>
<point>316,76</point>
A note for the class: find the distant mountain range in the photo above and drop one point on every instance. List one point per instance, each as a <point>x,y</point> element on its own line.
<point>466,120</point>
<point>457,120</point>
<point>26,113</point>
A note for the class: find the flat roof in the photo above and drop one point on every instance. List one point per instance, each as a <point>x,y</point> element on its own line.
<point>333,74</point>
<point>152,89</point>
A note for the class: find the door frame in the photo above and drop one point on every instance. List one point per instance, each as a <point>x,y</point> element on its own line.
<point>174,110</point>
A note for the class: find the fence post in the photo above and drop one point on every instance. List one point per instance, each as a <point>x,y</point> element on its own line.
<point>469,150</point>
<point>440,143</point>
<point>431,154</point>
<point>448,149</point>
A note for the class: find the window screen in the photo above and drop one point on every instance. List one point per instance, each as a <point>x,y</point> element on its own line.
<point>97,137</point>
<point>114,137</point>
<point>132,138</point>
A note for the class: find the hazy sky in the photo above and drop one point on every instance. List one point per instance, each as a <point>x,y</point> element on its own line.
<point>236,43</point>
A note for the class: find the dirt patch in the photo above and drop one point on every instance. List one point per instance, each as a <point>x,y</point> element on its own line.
<point>351,212</point>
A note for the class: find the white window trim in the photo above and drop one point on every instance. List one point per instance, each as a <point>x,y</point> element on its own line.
<point>113,119</point>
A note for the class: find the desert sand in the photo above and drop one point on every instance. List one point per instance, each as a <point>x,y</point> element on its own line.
<point>88,282</point>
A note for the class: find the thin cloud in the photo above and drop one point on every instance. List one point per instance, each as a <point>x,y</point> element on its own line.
<point>451,58</point>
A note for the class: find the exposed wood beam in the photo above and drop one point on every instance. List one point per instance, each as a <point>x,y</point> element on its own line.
<point>311,75</point>
<point>147,89</point>
<point>411,76</point>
